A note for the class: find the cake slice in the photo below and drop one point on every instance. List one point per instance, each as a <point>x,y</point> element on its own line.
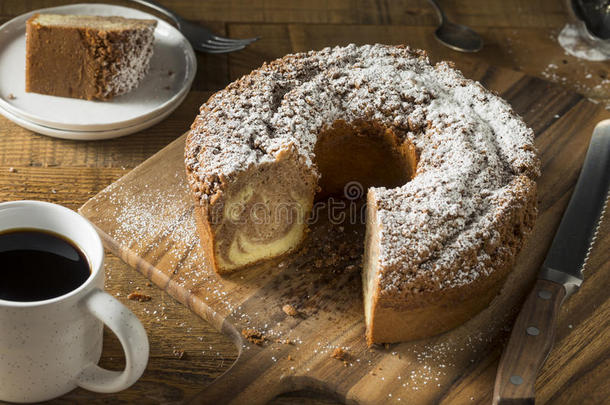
<point>88,57</point>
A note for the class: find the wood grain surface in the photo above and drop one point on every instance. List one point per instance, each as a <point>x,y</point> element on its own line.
<point>146,219</point>
<point>520,35</point>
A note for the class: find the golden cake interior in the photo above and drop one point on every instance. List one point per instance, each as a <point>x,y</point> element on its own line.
<point>263,214</point>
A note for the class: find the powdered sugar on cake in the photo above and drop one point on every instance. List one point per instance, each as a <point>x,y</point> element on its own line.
<point>135,49</point>
<point>476,157</point>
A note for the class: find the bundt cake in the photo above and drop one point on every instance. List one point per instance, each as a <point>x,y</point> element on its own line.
<point>449,167</point>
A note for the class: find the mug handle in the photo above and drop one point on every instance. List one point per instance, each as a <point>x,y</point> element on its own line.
<point>132,336</point>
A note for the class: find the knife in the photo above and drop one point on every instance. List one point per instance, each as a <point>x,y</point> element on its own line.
<point>561,275</point>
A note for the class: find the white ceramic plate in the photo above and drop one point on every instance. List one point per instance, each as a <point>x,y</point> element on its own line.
<point>172,70</point>
<point>88,135</point>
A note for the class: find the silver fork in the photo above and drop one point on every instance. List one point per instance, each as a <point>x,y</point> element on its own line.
<point>200,37</point>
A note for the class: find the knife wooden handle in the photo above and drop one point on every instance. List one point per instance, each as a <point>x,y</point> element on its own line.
<point>529,345</point>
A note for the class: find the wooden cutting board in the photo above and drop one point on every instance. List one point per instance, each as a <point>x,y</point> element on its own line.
<point>146,219</point>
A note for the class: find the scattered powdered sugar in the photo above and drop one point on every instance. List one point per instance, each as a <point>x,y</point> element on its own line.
<point>573,43</point>
<point>153,213</point>
<point>592,81</point>
<point>157,225</point>
<point>420,368</point>
<point>477,160</point>
<point>153,216</point>
<point>160,222</point>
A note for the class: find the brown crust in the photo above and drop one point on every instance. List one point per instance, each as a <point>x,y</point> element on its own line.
<point>445,309</point>
<point>206,236</point>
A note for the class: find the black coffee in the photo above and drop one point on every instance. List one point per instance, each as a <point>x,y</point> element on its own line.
<point>37,265</point>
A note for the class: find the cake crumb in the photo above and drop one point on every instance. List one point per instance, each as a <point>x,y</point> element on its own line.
<point>12,170</point>
<point>138,296</point>
<point>290,310</point>
<point>289,358</point>
<point>253,336</point>
<point>285,341</point>
<point>11,96</point>
<point>180,354</point>
<point>149,284</point>
<point>331,260</point>
<point>339,354</point>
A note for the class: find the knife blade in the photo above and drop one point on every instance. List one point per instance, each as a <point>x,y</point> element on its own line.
<point>560,276</point>
<point>567,256</point>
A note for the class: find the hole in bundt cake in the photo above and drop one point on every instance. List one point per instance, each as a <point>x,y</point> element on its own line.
<point>265,212</point>
<point>364,154</point>
<point>351,158</point>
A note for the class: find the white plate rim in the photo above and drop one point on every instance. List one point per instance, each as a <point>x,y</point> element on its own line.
<point>190,73</point>
<point>77,135</point>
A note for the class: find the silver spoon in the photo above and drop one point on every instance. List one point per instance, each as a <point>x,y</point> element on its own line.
<point>455,36</point>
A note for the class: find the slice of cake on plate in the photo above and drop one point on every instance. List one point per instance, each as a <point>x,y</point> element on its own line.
<point>88,57</point>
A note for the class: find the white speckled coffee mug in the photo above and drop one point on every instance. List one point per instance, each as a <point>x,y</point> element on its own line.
<point>48,348</point>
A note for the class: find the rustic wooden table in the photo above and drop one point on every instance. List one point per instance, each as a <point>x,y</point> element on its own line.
<point>186,353</point>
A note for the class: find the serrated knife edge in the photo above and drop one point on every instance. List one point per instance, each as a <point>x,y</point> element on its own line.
<point>596,232</point>
<point>574,239</point>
